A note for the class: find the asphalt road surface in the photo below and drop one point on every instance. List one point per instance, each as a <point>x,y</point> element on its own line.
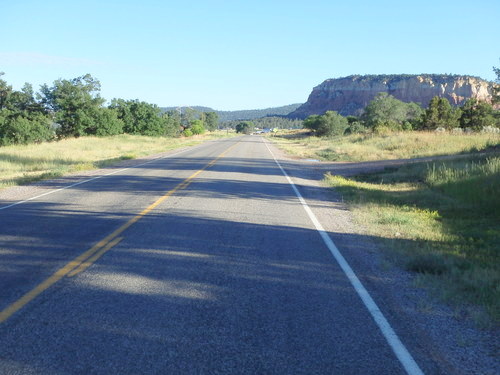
<point>203,262</point>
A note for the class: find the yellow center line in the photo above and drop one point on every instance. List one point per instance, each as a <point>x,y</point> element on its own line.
<point>84,265</point>
<point>86,259</point>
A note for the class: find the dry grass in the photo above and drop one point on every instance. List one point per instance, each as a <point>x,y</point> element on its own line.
<point>27,163</point>
<point>382,147</point>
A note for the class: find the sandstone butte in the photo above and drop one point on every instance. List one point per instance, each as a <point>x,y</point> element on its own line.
<point>349,95</point>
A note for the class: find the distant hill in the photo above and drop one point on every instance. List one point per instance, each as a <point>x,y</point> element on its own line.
<point>350,95</point>
<point>246,114</point>
<point>197,108</point>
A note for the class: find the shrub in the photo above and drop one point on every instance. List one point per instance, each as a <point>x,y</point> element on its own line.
<point>329,124</point>
<point>187,133</point>
<point>356,128</point>
<point>386,127</point>
<point>197,127</point>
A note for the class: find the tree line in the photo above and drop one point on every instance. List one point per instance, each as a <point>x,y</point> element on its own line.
<point>387,114</point>
<point>74,108</point>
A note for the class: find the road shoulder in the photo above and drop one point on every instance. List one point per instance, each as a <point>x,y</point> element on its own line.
<point>426,326</point>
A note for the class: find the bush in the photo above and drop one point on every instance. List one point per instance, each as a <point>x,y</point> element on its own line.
<point>329,124</point>
<point>197,127</point>
<point>356,128</point>
<point>187,133</point>
<point>386,127</point>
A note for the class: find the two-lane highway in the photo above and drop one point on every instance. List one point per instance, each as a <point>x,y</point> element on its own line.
<point>204,262</point>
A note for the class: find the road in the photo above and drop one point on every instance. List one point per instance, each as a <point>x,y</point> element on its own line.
<point>202,262</point>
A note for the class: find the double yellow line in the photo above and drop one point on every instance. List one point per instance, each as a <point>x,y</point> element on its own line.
<point>85,260</point>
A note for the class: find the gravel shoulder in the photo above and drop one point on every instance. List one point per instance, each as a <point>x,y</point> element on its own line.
<point>427,326</point>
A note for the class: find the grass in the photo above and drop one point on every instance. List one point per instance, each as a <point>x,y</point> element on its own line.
<point>403,145</point>
<point>24,164</point>
<point>440,221</point>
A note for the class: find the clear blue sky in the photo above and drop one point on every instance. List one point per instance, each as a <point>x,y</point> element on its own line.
<point>241,54</point>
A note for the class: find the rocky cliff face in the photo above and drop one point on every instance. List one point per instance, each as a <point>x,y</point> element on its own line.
<point>349,95</point>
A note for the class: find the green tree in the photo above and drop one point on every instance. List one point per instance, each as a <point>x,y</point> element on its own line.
<point>496,87</point>
<point>312,122</point>
<point>22,118</point>
<point>171,123</point>
<point>440,114</point>
<point>188,115</point>
<point>75,103</point>
<point>245,127</point>
<point>477,114</point>
<point>331,124</point>
<point>197,127</point>
<point>5,91</point>
<point>386,111</point>
<point>139,117</point>
<point>211,121</point>
<point>16,128</point>
<point>106,122</point>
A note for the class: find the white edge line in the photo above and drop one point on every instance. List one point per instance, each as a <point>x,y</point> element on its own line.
<point>404,356</point>
<point>94,178</point>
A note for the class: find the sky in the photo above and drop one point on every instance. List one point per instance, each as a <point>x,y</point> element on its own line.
<point>231,55</point>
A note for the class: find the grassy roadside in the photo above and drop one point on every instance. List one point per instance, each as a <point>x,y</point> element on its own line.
<point>23,164</point>
<point>405,145</point>
<point>441,221</point>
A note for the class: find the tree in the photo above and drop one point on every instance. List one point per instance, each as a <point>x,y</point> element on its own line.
<point>211,120</point>
<point>107,122</point>
<point>496,87</point>
<point>22,118</point>
<point>312,122</point>
<point>440,114</point>
<point>477,114</point>
<point>386,111</point>
<point>197,127</point>
<point>75,104</point>
<point>331,124</point>
<point>188,115</point>
<point>172,123</point>
<point>16,128</point>
<point>245,127</point>
<point>5,91</point>
<point>139,117</point>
